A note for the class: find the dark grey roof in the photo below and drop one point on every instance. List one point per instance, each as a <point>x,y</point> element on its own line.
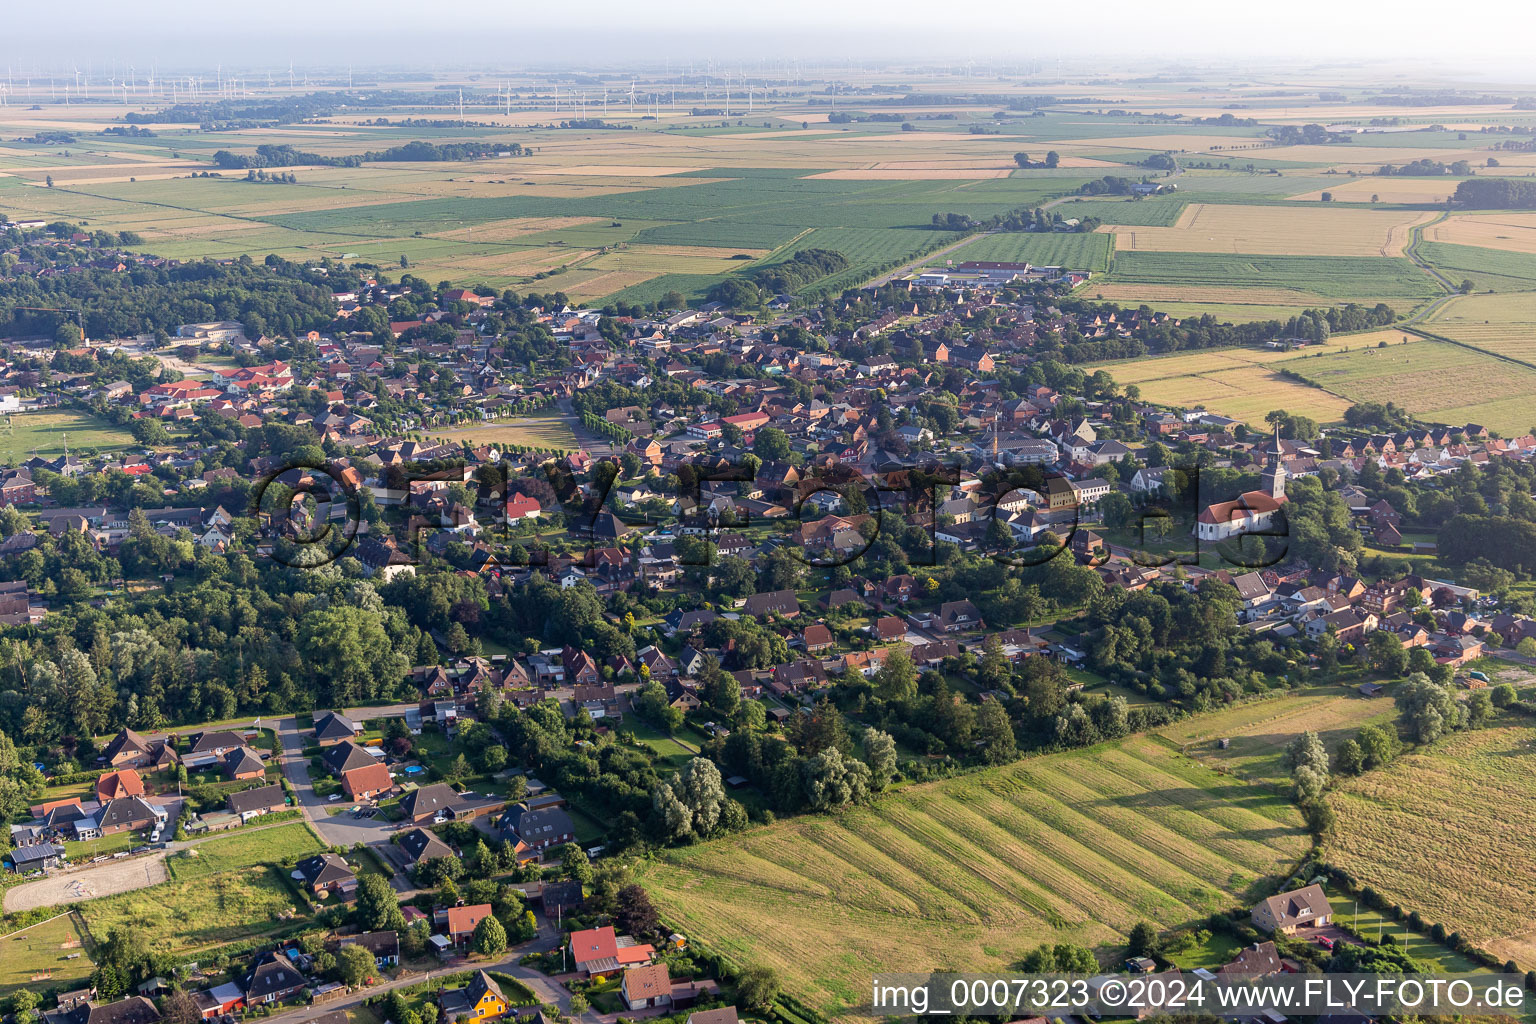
<point>429,799</point>
<point>419,845</point>
<point>333,725</point>
<point>345,756</point>
<point>260,798</point>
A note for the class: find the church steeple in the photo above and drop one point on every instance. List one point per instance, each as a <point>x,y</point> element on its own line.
<point>1273,479</point>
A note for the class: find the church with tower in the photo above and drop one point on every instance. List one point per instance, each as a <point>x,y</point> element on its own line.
<point>1252,511</point>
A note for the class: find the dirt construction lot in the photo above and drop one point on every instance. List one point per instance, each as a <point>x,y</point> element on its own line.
<point>74,886</point>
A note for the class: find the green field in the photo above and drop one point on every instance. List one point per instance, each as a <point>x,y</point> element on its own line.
<point>44,956</point>
<point>247,849</point>
<point>186,916</point>
<point>1338,278</point>
<point>1257,731</point>
<point>25,434</point>
<point>1487,269</point>
<point>1447,832</point>
<point>971,873</point>
<point>1434,381</point>
<point>1052,249</point>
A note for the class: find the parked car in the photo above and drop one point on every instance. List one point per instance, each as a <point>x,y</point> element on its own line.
<point>1325,942</point>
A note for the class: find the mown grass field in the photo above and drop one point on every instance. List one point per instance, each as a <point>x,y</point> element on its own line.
<point>971,873</point>
<point>545,432</point>
<point>1503,323</point>
<point>1258,731</point>
<point>244,850</point>
<point>1434,381</point>
<point>46,433</point>
<point>47,955</point>
<point>1448,832</point>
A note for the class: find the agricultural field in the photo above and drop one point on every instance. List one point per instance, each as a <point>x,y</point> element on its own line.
<point>1386,190</point>
<point>550,433</point>
<point>46,433</point>
<point>1326,279</point>
<point>47,955</point>
<point>1503,323</point>
<point>971,873</point>
<point>1074,251</point>
<point>1275,230</point>
<point>1488,269</point>
<point>1511,232</point>
<point>1432,380</point>
<point>1242,382</point>
<point>1258,731</point>
<point>1461,859</point>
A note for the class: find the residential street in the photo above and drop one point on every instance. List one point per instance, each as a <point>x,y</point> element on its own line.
<point>340,829</point>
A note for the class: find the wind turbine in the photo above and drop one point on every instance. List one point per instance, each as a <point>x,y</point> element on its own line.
<point>631,96</point>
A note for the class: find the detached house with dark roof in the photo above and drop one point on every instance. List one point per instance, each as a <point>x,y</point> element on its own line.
<point>325,874</point>
<point>272,980</point>
<point>333,727</point>
<point>1287,912</point>
<point>345,756</point>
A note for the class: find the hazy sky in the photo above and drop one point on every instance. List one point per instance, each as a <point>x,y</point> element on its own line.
<point>518,33</point>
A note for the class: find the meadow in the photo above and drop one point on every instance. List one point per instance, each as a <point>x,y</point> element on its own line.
<point>184,917</point>
<point>47,955</point>
<point>1503,323</point>
<point>245,850</point>
<point>1257,732</point>
<point>971,873</point>
<point>1488,269</point>
<point>1433,380</point>
<point>1461,857</point>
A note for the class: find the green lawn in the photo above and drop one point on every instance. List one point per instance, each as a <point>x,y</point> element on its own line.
<point>106,845</point>
<point>46,955</point>
<point>247,849</point>
<point>47,433</point>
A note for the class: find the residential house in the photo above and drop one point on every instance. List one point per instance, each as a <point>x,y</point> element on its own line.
<point>326,874</point>
<point>480,1000</point>
<point>1288,912</point>
<point>599,951</point>
<point>118,785</point>
<point>368,782</point>
<point>458,923</point>
<point>333,727</point>
<point>272,979</point>
<point>420,846</point>
<point>385,946</point>
<point>252,803</point>
<point>646,987</point>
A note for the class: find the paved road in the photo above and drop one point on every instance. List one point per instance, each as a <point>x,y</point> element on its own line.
<point>341,829</point>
